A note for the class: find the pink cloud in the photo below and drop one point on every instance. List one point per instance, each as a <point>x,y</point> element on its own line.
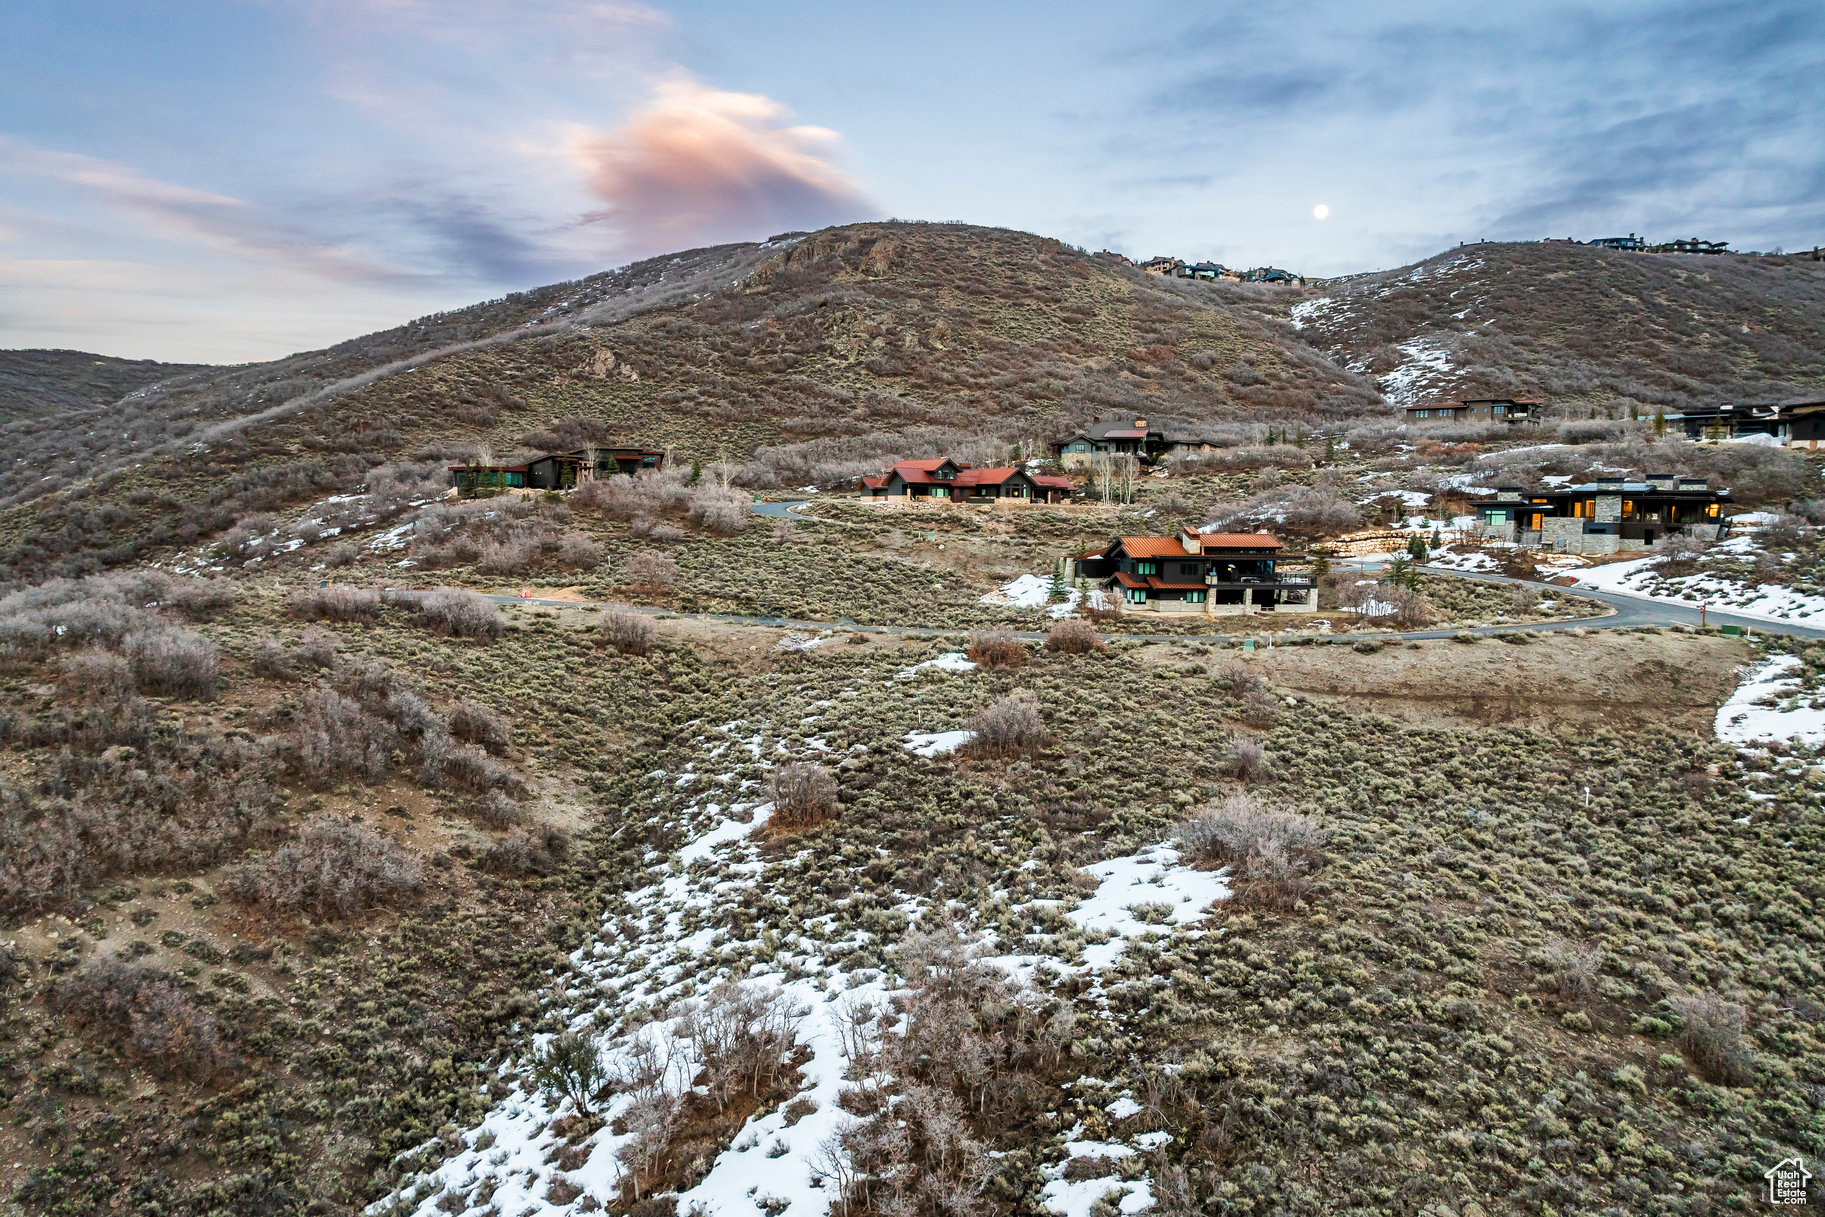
<point>699,166</point>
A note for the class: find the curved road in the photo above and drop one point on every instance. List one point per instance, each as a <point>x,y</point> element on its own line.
<point>1626,612</point>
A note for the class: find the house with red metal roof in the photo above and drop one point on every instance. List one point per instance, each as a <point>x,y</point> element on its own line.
<point>1216,573</point>
<point>946,479</point>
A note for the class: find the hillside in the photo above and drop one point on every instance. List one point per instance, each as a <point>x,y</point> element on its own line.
<point>1585,328</point>
<point>834,351</point>
<point>36,383</point>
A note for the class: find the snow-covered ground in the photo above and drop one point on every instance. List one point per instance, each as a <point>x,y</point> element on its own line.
<point>1427,365</point>
<point>950,661</point>
<point>1473,560</point>
<point>1153,877</point>
<point>1033,591</point>
<point>936,743</point>
<point>632,990</point>
<point>1769,706</point>
<point>1763,601</point>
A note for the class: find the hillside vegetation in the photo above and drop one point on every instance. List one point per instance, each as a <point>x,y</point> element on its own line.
<point>36,383</point>
<point>1585,328</point>
<point>811,356</point>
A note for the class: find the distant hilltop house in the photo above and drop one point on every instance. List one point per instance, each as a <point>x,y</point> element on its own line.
<point>1218,574</point>
<point>1112,256</point>
<point>1136,439</point>
<point>1629,242</point>
<point>1208,271</point>
<point>1161,265</point>
<point>554,470</point>
<point>1691,245</point>
<point>1476,409</point>
<point>1271,274</point>
<point>946,479</point>
<point>1798,423</point>
<point>1604,516</point>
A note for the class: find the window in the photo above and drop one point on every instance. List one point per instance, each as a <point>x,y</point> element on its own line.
<point>1146,568</point>
<point>1711,510</point>
<point>1194,597</point>
<point>1501,409</point>
<point>1189,568</point>
<point>1495,517</point>
<point>1137,595</point>
<point>1628,509</point>
<point>941,492</point>
<point>1423,414</point>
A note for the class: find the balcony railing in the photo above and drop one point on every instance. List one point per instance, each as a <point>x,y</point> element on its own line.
<point>1290,583</point>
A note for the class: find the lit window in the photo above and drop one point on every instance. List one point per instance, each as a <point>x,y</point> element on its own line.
<point>1146,568</point>
<point>1711,510</point>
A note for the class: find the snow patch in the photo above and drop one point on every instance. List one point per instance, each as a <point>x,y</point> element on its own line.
<point>1768,706</point>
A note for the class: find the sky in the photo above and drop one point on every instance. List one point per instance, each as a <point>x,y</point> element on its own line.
<point>233,180</point>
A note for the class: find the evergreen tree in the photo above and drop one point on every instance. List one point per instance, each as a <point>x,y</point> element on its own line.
<point>1330,451</point>
<point>1416,548</point>
<point>1401,573</point>
<point>1299,438</point>
<point>1660,424</point>
<point>696,470</point>
<point>1321,562</point>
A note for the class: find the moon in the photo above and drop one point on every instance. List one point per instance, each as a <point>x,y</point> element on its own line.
<point>1320,212</point>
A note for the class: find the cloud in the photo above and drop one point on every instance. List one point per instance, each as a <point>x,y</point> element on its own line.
<point>700,166</point>
<point>226,225</point>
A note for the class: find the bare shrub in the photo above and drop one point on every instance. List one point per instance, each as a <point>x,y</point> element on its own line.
<point>1712,1040</point>
<point>742,1034</point>
<point>997,647</point>
<point>1405,608</point>
<point>576,551</point>
<point>1074,636</point>
<point>1008,728</point>
<point>1523,598</point>
<point>498,810</point>
<point>475,723</point>
<point>1260,708</point>
<point>335,603</point>
<point>628,631</point>
<point>652,569</point>
<point>461,614</point>
<point>144,1012</point>
<point>173,663</point>
<point>336,868</point>
<point>334,739</point>
<point>803,793</point>
<point>1273,851</point>
<point>1247,759</point>
<point>540,851</point>
<point>97,676</point>
<point>508,557</point>
<point>723,513</point>
<point>1679,554</point>
<point>1235,676</point>
<point>468,767</point>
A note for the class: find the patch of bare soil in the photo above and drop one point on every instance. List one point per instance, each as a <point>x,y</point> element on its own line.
<point>1671,682</point>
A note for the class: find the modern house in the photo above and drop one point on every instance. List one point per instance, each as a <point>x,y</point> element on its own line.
<point>946,479</point>
<point>1799,423</point>
<point>1209,271</point>
<point>1691,245</point>
<point>1160,266</point>
<point>1138,439</point>
<point>1629,242</point>
<point>1215,573</point>
<point>555,470</point>
<point>1477,410</point>
<point>1605,516</point>
<point>1271,274</point>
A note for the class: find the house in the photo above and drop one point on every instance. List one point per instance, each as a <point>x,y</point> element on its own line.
<point>1208,271</point>
<point>1629,242</point>
<point>1604,516</point>
<point>1214,573</point>
<point>1691,245</point>
<point>1796,423</point>
<point>1477,410</point>
<point>1112,256</point>
<point>1160,266</point>
<point>1135,439</point>
<point>947,479</point>
<point>1271,274</point>
<point>555,470</point>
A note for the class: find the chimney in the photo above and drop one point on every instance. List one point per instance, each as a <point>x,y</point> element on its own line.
<point>1662,481</point>
<point>1094,420</point>
<point>1192,540</point>
<point>1508,494</point>
<point>1140,424</point>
